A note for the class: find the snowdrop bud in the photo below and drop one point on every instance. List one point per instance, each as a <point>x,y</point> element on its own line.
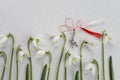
<point>56,38</point>
<point>75,59</point>
<point>89,45</point>
<point>93,70</point>
<point>52,35</point>
<point>107,38</point>
<point>89,67</point>
<point>39,41</point>
<point>3,40</point>
<point>40,53</point>
<point>36,41</point>
<point>22,55</point>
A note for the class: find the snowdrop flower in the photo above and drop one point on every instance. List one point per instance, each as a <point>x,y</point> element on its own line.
<point>3,39</point>
<point>74,60</point>
<point>40,53</point>
<point>55,38</point>
<point>107,38</point>
<point>21,55</point>
<point>38,41</point>
<point>91,67</point>
<point>71,59</point>
<point>90,45</point>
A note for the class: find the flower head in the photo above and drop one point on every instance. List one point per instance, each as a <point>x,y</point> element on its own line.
<point>107,38</point>
<point>89,45</point>
<point>3,39</point>
<point>38,41</point>
<point>91,67</point>
<point>40,53</point>
<point>55,38</point>
<point>22,55</point>
<point>72,59</point>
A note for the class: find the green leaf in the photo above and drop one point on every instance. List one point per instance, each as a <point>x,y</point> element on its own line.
<point>77,75</point>
<point>27,72</point>
<point>111,72</point>
<point>44,72</point>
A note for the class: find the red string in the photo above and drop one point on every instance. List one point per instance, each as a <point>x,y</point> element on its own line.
<point>78,25</point>
<point>96,34</point>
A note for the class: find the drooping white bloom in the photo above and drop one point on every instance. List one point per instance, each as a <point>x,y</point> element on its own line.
<point>38,42</point>
<point>55,37</point>
<point>40,53</point>
<point>73,60</point>
<point>91,67</point>
<point>22,55</point>
<point>107,38</point>
<point>89,45</point>
<point>3,39</point>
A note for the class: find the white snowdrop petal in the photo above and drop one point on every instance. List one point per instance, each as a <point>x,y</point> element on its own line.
<point>21,58</point>
<point>93,70</point>
<point>108,39</point>
<point>52,35</point>
<point>69,62</point>
<point>21,53</point>
<point>40,54</point>
<point>105,40</point>
<point>89,66</point>
<point>3,40</point>
<point>39,42</point>
<point>56,39</point>
<point>75,59</point>
<point>34,43</point>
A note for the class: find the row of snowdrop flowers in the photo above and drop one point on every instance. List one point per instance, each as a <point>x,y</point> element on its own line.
<point>42,50</point>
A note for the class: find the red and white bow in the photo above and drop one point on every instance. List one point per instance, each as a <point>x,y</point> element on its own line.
<point>69,26</point>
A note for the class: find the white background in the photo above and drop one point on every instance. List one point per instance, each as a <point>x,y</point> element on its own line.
<point>31,17</point>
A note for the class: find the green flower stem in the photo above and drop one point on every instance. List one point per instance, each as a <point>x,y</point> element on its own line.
<point>65,65</point>
<point>27,72</point>
<point>77,75</point>
<point>44,72</point>
<point>58,67</point>
<point>97,66</point>
<point>17,51</point>
<point>49,67</point>
<point>111,71</point>
<point>12,54</point>
<point>30,59</point>
<point>103,67</point>
<point>81,46</point>
<point>5,60</point>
